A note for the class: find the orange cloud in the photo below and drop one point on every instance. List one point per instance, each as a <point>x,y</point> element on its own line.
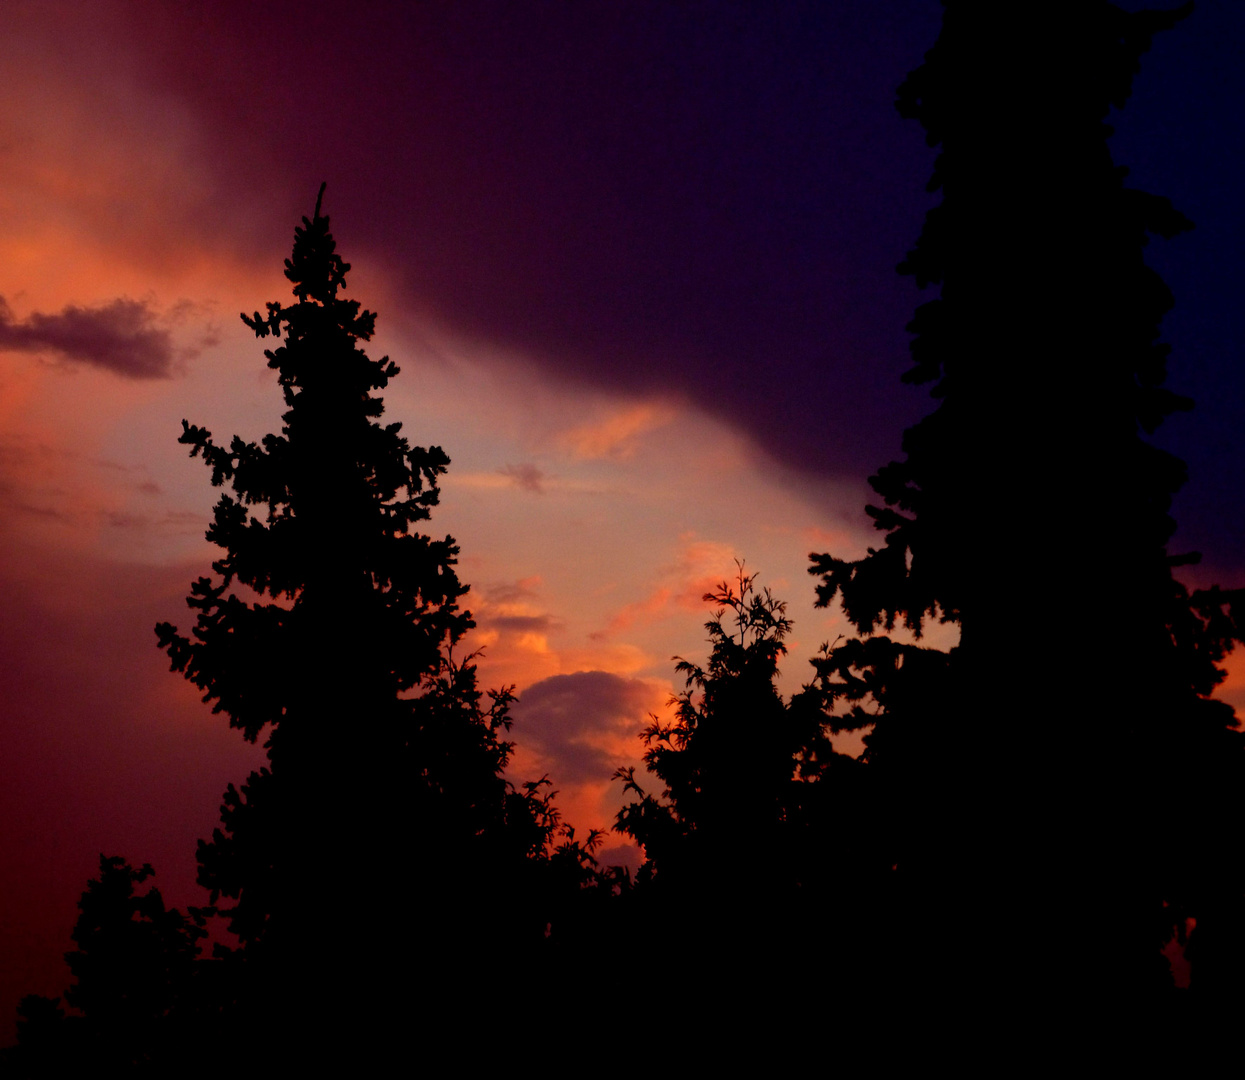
<point>522,643</point>
<point>616,435</point>
<point>700,567</point>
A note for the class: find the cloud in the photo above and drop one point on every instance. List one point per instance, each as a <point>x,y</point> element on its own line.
<point>500,593</point>
<point>122,337</point>
<point>586,724</point>
<point>522,624</point>
<point>699,568</point>
<point>526,476</point>
<point>615,436</point>
<point>508,606</point>
<point>701,249</point>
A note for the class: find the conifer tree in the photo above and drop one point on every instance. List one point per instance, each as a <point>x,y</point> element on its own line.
<point>382,838</point>
<point>1074,775</point>
<point>729,758</point>
<point>763,832</point>
<point>137,993</point>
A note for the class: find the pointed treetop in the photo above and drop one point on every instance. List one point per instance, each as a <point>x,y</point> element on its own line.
<point>315,268</point>
<point>317,273</point>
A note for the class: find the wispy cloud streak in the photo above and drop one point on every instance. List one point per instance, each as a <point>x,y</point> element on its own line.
<point>526,476</point>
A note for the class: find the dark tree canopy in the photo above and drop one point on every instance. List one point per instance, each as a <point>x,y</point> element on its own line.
<point>328,609</point>
<point>1075,777</point>
<point>764,838</point>
<point>382,838</point>
<point>138,993</point>
<point>355,598</point>
<point>735,749</point>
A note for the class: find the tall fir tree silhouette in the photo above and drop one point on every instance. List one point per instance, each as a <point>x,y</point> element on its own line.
<point>1070,780</point>
<point>381,853</point>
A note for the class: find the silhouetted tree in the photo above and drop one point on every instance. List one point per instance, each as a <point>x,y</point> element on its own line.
<point>729,756</point>
<point>135,993</point>
<point>381,857</point>
<point>1073,781</point>
<point>763,833</point>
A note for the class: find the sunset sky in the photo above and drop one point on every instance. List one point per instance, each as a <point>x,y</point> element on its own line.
<point>636,262</point>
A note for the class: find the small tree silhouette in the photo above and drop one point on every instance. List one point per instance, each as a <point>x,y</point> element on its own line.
<point>762,832</point>
<point>730,754</point>
<point>135,991</point>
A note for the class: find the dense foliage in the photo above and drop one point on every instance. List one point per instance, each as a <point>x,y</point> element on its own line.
<point>761,829</point>
<point>1080,780</point>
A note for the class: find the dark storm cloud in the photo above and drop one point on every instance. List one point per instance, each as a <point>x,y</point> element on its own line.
<point>706,200</point>
<point>121,337</point>
<point>578,721</point>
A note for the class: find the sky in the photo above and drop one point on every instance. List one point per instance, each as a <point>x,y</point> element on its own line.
<point>636,262</point>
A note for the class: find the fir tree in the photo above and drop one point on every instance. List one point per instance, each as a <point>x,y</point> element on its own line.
<point>762,833</point>
<point>138,989</point>
<point>382,838</point>
<point>727,760</point>
<point>1074,775</point>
